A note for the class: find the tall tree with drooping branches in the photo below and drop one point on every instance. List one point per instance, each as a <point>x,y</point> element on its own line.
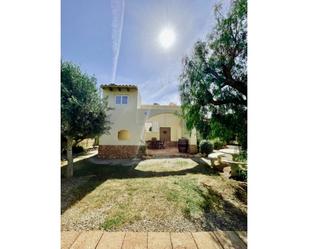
<point>213,84</point>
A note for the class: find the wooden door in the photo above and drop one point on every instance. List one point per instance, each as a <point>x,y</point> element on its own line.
<point>165,134</point>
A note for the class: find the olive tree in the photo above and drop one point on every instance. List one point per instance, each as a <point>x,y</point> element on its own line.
<point>83,111</point>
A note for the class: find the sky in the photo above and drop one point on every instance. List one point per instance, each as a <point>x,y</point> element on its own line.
<point>117,41</point>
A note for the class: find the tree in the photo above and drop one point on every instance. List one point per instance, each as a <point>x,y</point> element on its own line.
<point>83,111</point>
<point>213,84</point>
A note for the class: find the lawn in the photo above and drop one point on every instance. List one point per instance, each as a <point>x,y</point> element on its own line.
<point>176,194</point>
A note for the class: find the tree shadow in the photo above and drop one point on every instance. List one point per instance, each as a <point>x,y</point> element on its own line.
<point>223,214</point>
<point>88,176</point>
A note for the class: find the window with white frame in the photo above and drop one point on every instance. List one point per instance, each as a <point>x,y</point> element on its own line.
<point>122,99</point>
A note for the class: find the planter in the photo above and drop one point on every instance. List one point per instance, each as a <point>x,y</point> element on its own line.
<point>183,145</point>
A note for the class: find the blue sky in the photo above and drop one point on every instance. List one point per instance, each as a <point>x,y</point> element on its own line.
<point>120,37</point>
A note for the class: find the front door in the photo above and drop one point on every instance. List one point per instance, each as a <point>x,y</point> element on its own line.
<point>165,134</point>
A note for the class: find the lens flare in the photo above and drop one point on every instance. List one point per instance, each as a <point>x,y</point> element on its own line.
<point>167,38</point>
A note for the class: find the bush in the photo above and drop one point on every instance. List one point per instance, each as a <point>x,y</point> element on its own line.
<point>242,157</point>
<point>206,147</point>
<point>239,172</point>
<point>218,143</point>
<point>241,175</point>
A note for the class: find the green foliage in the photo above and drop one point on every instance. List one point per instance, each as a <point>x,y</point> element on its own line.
<point>223,128</point>
<point>218,143</point>
<point>242,157</point>
<point>213,85</point>
<point>114,222</point>
<point>206,147</point>
<point>76,149</point>
<point>241,174</point>
<point>192,198</point>
<point>63,143</point>
<point>83,112</point>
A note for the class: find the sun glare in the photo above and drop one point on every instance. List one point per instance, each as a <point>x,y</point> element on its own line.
<point>167,38</point>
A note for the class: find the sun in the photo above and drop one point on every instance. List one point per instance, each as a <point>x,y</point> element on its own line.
<point>167,37</point>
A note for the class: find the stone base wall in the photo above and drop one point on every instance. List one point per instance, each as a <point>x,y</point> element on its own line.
<point>120,151</point>
<point>192,149</point>
<point>171,144</point>
<point>168,144</point>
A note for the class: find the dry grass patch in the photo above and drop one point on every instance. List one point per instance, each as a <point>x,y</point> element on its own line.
<point>166,165</point>
<point>155,195</point>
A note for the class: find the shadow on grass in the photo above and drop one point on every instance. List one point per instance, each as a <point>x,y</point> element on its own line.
<point>88,175</point>
<point>222,214</point>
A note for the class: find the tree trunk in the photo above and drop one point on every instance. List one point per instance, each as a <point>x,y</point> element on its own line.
<point>69,172</point>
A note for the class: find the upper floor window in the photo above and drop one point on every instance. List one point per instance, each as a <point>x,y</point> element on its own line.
<point>121,99</point>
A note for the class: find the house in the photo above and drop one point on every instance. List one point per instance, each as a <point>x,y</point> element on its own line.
<point>133,124</point>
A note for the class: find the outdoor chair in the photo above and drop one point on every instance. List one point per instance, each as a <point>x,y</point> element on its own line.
<point>162,144</point>
<point>154,143</point>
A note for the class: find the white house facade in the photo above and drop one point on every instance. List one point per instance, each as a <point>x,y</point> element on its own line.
<point>133,124</point>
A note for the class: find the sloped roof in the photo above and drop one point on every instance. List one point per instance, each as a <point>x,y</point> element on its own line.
<point>105,86</point>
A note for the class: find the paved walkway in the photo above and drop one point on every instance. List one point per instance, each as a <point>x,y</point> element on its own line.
<point>153,240</point>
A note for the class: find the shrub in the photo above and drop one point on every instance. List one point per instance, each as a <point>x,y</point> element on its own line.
<point>242,157</point>
<point>239,172</point>
<point>241,175</point>
<point>206,147</point>
<point>218,143</point>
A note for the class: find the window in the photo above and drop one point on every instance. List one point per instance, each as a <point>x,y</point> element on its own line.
<point>118,100</point>
<point>123,135</point>
<point>122,99</point>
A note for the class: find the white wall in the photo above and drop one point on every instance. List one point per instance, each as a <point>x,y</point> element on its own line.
<point>132,117</point>
<point>166,120</point>
<point>124,117</point>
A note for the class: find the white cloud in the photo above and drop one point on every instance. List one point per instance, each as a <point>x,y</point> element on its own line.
<point>160,91</point>
<point>118,9</point>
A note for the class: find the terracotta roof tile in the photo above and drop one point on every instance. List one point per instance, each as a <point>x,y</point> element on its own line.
<point>118,86</point>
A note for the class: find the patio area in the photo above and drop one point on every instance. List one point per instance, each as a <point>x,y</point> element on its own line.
<point>167,152</point>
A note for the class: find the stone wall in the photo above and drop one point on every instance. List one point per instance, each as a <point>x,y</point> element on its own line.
<point>168,144</point>
<point>120,151</point>
<point>171,144</point>
<point>192,149</point>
